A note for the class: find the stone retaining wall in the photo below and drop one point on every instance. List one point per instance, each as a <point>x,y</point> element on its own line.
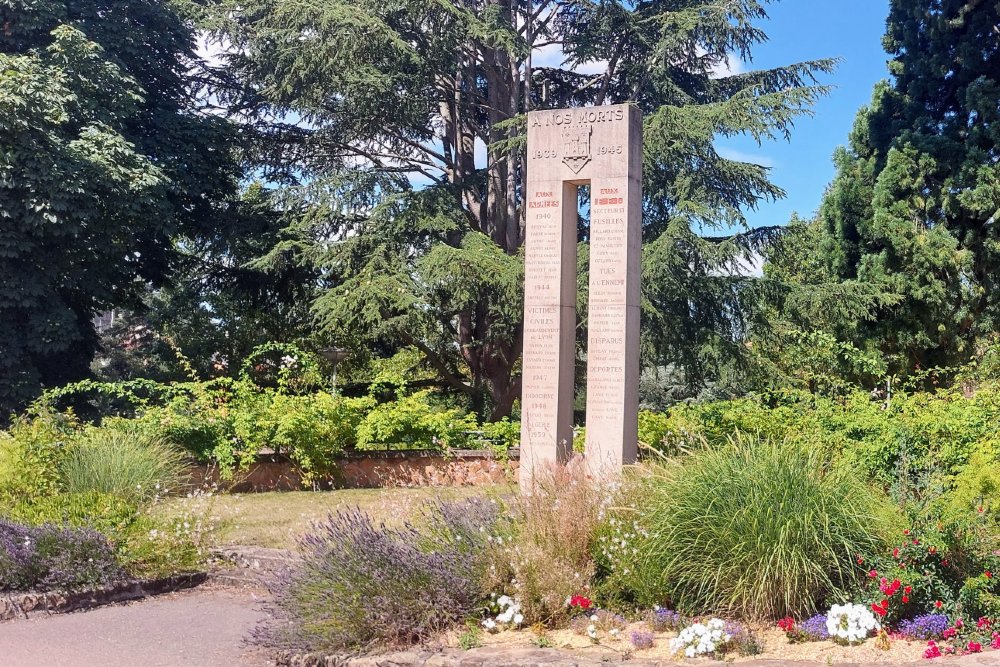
<point>274,472</point>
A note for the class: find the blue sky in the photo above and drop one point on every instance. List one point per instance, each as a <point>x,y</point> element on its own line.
<point>806,30</point>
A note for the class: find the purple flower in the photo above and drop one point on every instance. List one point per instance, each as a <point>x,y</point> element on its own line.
<point>663,620</point>
<point>364,585</point>
<point>47,557</point>
<point>924,627</point>
<point>642,639</point>
<point>741,639</point>
<point>814,629</point>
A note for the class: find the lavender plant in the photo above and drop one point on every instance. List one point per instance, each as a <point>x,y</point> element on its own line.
<point>742,640</point>
<point>48,557</point>
<point>362,585</point>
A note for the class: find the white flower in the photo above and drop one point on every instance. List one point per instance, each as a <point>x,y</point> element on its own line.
<point>518,619</point>
<point>489,624</point>
<point>851,623</point>
<point>700,638</point>
<point>504,601</point>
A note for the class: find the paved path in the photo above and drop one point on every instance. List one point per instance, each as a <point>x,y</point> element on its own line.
<point>200,628</point>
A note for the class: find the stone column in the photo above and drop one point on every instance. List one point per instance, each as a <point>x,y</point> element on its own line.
<point>601,146</point>
<point>549,323</point>
<point>613,309</point>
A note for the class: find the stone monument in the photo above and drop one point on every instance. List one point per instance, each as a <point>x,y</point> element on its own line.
<point>567,148</point>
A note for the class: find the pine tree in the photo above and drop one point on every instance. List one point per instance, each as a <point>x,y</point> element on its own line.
<point>355,98</point>
<point>914,207</point>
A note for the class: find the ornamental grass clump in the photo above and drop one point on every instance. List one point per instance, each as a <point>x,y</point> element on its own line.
<point>51,558</point>
<point>124,462</point>
<point>366,586</point>
<point>757,529</point>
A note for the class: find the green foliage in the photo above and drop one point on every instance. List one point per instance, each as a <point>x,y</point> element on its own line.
<point>104,162</point>
<point>274,405</point>
<point>122,461</point>
<point>415,421</point>
<point>312,429</point>
<point>760,528</point>
<point>388,91</point>
<point>108,514</point>
<point>472,637</point>
<point>921,432</point>
<point>145,547</point>
<point>31,453</point>
<point>501,436</point>
<point>905,229</point>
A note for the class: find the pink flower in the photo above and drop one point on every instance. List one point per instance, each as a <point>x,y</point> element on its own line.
<point>974,647</point>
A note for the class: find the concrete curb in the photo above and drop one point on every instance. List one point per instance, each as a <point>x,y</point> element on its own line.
<point>28,605</point>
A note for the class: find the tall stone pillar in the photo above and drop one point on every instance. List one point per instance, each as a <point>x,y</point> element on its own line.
<point>600,146</point>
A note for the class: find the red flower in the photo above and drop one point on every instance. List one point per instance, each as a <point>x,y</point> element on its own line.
<point>932,550</point>
<point>787,624</point>
<point>932,651</point>
<point>988,574</point>
<point>860,560</point>
<point>958,623</point>
<point>938,604</point>
<point>881,608</point>
<point>908,589</point>
<point>974,647</point>
<point>581,602</point>
<point>945,562</point>
<point>949,633</point>
<point>905,599</point>
<point>895,552</point>
<point>906,531</point>
<point>983,622</point>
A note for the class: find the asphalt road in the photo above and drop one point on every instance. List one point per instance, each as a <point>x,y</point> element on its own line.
<point>198,628</point>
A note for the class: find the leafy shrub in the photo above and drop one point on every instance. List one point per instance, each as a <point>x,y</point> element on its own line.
<point>360,585</point>
<point>944,558</point>
<point>415,421</point>
<point>941,431</point>
<point>312,429</point>
<point>501,436</point>
<point>105,513</point>
<point>757,528</point>
<point>655,432</point>
<point>47,558</point>
<point>122,461</point>
<point>30,454</point>
<point>145,546</point>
